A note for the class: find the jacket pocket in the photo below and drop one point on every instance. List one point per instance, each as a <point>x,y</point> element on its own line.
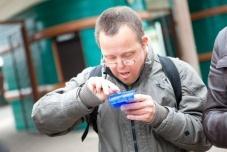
<point>165,93</point>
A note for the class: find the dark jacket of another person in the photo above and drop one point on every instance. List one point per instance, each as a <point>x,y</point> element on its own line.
<point>215,115</point>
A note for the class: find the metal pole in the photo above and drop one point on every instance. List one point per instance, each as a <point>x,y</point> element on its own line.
<point>184,32</point>
<point>28,56</point>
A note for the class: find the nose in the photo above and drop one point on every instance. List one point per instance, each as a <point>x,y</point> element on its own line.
<point>120,63</point>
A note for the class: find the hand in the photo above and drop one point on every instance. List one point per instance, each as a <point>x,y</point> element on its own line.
<point>101,87</point>
<point>142,109</point>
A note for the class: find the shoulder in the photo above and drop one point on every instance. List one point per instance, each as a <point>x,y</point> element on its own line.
<point>182,65</point>
<point>85,73</point>
<point>186,71</point>
<point>80,78</point>
<point>220,45</point>
<point>219,54</point>
<point>222,34</point>
<point>191,81</point>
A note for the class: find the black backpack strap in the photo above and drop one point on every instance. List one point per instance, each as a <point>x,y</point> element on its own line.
<point>173,75</point>
<point>92,117</point>
<point>85,131</point>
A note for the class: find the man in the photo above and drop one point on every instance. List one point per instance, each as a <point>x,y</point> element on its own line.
<point>151,123</point>
<point>215,115</point>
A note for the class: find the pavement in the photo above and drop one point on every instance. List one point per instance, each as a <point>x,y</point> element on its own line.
<point>35,142</point>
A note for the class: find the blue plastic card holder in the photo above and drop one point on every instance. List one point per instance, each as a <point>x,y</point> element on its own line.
<point>121,98</point>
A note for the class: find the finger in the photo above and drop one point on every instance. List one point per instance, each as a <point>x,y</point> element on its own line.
<point>141,97</point>
<point>98,86</point>
<point>101,85</point>
<point>112,87</point>
<point>133,106</point>
<point>109,87</point>
<point>143,117</point>
<point>90,84</point>
<point>106,88</point>
<point>136,112</point>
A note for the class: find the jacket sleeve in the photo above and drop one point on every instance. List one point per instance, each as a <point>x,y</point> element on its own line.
<point>215,115</point>
<point>183,127</point>
<point>58,111</point>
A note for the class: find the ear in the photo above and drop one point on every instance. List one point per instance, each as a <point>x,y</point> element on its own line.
<point>145,40</point>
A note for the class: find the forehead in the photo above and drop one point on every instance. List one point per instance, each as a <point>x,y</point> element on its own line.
<point>125,39</point>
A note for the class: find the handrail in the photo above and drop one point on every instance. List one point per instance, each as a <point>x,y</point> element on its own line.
<point>82,24</point>
<point>26,92</point>
<point>205,57</point>
<point>209,12</point>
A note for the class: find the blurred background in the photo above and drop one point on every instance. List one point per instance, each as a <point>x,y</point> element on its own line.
<point>43,43</point>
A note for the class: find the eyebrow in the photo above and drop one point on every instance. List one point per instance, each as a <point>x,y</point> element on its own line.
<point>129,51</point>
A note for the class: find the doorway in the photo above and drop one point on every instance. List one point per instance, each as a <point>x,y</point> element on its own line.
<point>70,55</point>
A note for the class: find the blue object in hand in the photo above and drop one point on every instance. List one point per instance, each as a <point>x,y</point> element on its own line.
<point>120,98</point>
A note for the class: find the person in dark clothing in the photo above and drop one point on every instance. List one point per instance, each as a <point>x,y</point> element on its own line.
<point>215,114</point>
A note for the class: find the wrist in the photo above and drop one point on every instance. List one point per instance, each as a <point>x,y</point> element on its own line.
<point>88,98</point>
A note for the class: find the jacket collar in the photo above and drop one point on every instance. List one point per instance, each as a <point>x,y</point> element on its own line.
<point>148,65</point>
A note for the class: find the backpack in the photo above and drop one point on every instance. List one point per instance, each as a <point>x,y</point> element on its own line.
<point>168,68</point>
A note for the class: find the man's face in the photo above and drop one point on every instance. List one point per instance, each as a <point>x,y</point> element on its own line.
<point>124,54</point>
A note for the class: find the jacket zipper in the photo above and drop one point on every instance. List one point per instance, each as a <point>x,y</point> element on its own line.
<point>134,135</point>
<point>133,130</point>
<point>132,121</point>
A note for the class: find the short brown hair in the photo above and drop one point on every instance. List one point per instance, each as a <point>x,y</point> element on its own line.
<point>113,18</point>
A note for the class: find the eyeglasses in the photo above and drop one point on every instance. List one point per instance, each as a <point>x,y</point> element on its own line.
<point>127,59</point>
<point>113,64</point>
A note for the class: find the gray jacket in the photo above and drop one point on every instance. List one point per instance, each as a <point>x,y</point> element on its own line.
<point>215,115</point>
<point>58,111</point>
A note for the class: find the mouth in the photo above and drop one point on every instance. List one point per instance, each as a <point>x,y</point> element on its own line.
<point>124,75</point>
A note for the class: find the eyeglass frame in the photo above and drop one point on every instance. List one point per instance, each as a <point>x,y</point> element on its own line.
<point>127,62</point>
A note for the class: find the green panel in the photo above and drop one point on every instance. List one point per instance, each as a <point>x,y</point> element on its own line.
<point>138,5</point>
<point>18,117</point>
<point>91,51</point>
<point>21,69</point>
<point>37,63</point>
<point>16,74</point>
<point>8,72</point>
<point>199,5</point>
<point>2,100</point>
<point>48,63</point>
<point>206,30</point>
<point>44,62</point>
<point>65,11</point>
<point>22,114</point>
<point>205,67</point>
